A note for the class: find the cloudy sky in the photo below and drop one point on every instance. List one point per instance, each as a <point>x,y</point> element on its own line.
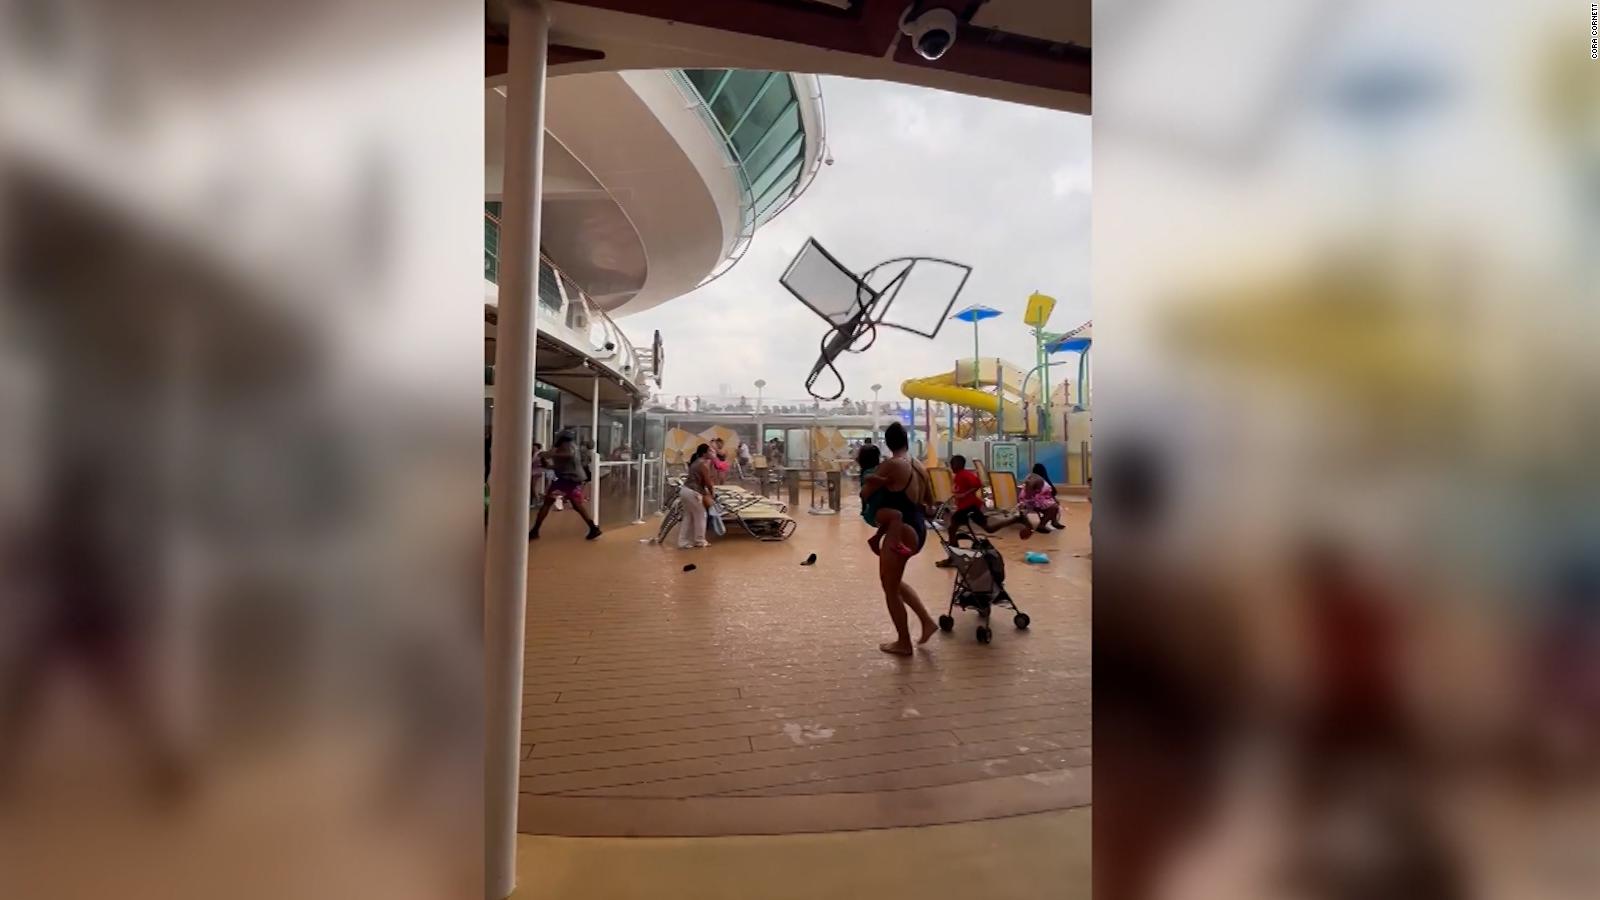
<point>917,172</point>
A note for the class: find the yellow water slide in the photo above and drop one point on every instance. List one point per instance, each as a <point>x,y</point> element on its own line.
<point>956,388</point>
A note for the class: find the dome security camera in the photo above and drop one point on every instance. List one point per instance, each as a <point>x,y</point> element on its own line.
<point>931,32</point>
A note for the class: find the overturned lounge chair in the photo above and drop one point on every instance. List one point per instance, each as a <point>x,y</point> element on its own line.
<point>760,517</point>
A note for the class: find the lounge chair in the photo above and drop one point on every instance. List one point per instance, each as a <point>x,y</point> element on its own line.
<point>1003,492</point>
<point>760,517</point>
<point>943,484</point>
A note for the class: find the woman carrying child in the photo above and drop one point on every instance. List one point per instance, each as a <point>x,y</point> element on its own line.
<point>896,493</point>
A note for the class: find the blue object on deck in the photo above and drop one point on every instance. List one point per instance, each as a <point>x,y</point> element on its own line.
<point>1035,557</point>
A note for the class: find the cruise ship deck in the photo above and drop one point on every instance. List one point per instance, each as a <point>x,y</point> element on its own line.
<point>748,696</point>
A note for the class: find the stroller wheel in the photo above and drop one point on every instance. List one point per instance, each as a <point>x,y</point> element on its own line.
<point>1021,620</point>
<point>984,634</point>
<point>946,623</point>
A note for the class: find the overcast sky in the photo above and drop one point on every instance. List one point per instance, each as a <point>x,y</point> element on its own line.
<point>917,172</point>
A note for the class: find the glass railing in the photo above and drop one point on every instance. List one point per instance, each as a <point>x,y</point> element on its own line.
<point>491,241</point>
<point>569,314</point>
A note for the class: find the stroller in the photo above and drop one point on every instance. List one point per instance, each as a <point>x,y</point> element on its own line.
<point>980,585</point>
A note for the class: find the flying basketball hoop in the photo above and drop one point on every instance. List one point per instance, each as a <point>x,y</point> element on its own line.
<point>855,306</point>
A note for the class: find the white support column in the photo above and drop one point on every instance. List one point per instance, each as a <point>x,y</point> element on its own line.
<point>506,551</point>
<point>638,465</point>
<point>877,431</point>
<point>594,452</point>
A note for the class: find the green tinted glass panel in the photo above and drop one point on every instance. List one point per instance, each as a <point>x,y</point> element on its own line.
<point>791,153</point>
<point>772,104</point>
<point>776,191</point>
<point>549,293</point>
<point>704,80</point>
<point>769,147</point>
<point>736,97</point>
<point>491,249</point>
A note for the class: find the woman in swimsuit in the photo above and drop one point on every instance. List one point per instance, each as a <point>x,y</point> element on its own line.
<point>898,489</point>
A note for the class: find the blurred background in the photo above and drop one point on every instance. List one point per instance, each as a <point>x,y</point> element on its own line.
<point>1347,599</point>
<point>240,647</point>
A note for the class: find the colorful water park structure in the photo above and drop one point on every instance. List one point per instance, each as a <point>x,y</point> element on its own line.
<point>1007,404</point>
<point>1004,399</point>
<point>998,390</point>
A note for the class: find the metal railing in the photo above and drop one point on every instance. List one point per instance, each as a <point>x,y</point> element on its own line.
<point>624,360</point>
<point>642,480</point>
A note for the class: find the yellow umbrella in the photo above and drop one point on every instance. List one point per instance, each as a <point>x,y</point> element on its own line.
<point>829,443</point>
<point>679,444</point>
<point>730,438</point>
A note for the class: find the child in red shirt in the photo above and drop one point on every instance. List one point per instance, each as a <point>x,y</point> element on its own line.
<point>968,496</point>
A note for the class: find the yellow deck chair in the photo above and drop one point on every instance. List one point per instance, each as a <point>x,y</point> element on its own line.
<point>943,485</point>
<point>1003,487</point>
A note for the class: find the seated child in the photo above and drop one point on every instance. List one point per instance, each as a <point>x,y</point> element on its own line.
<point>1039,498</point>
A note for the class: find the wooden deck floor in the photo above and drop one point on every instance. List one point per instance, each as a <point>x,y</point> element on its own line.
<point>749,696</point>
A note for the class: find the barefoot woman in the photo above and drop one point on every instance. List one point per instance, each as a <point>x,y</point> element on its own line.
<point>898,489</point>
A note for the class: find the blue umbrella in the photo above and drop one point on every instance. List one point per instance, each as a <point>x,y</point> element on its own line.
<point>975,314</point>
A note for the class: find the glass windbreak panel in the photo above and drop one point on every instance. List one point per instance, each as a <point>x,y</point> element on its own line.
<point>549,293</point>
<point>654,429</point>
<point>797,446</point>
<point>767,149</point>
<point>574,295</point>
<point>736,97</point>
<point>599,336</point>
<point>766,110</point>
<point>617,488</point>
<point>704,80</point>
<point>613,428</point>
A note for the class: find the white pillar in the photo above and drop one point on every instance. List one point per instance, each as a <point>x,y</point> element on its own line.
<point>594,452</point>
<point>637,465</point>
<point>506,551</point>
<point>876,435</point>
<point>761,419</point>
